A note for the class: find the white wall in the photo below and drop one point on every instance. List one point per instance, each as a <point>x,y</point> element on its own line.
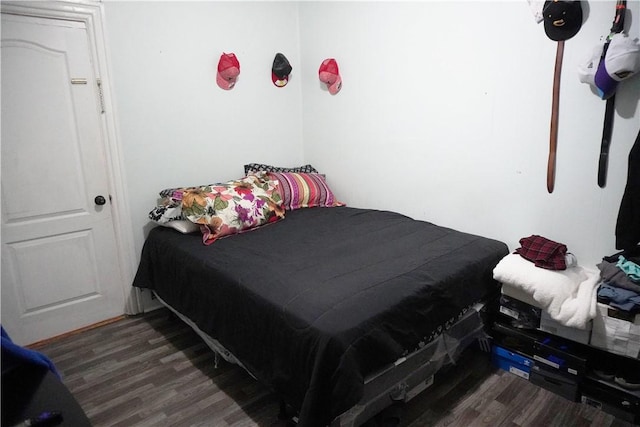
<point>176,126</point>
<point>444,113</point>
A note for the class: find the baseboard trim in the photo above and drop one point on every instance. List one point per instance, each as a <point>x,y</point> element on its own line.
<point>47,341</point>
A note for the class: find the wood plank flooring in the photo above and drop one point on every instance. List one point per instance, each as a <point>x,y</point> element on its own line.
<point>153,370</point>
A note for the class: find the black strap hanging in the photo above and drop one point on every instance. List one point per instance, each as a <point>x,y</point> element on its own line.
<point>607,129</point>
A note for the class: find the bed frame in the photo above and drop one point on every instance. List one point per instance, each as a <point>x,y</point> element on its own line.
<point>411,375</point>
<point>402,380</point>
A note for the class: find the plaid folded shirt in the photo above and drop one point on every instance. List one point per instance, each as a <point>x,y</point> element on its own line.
<point>543,252</point>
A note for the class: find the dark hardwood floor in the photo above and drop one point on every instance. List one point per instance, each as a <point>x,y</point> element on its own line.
<point>153,370</point>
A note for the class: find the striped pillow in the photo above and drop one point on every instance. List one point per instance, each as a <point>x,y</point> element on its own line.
<point>304,190</point>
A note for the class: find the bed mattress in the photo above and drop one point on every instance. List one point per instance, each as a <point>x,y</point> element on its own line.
<point>314,303</point>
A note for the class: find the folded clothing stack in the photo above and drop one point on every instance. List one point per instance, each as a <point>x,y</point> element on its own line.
<point>545,253</point>
<point>616,327</point>
<point>620,285</point>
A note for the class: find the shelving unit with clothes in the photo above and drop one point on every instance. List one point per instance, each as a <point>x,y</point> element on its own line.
<point>571,330</point>
<point>582,370</point>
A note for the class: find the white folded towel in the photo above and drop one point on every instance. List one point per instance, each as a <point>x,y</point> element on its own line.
<point>569,296</point>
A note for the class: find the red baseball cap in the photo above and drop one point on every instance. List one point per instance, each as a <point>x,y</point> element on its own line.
<point>330,75</point>
<point>228,71</point>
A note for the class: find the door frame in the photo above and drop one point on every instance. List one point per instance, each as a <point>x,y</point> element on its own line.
<point>92,14</point>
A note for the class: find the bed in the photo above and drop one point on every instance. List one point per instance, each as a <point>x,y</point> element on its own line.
<point>332,307</point>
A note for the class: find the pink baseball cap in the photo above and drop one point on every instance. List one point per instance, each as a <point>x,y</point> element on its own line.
<point>228,71</point>
<point>330,75</point>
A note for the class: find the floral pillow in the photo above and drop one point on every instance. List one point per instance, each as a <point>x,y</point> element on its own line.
<point>233,207</point>
<point>175,194</point>
<point>169,207</point>
<point>168,213</point>
<point>304,190</point>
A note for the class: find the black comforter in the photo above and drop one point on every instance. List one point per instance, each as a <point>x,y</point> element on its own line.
<point>315,302</point>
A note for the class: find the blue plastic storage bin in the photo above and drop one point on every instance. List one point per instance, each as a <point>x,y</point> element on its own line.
<point>511,362</point>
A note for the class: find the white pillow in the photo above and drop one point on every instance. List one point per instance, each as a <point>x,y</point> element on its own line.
<point>182,225</point>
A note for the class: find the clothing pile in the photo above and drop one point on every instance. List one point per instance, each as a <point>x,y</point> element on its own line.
<point>619,290</point>
<point>545,253</point>
<point>620,285</point>
<point>550,275</point>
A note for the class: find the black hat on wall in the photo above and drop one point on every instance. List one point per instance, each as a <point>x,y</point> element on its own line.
<point>562,19</point>
<point>280,70</point>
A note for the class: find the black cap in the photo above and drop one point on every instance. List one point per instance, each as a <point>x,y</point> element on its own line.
<point>280,70</point>
<point>562,19</point>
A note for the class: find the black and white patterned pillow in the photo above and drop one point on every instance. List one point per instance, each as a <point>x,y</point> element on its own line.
<point>257,167</point>
<point>166,213</point>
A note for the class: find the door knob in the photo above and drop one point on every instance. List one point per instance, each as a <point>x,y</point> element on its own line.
<point>100,200</point>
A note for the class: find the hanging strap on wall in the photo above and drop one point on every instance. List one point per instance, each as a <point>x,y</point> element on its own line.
<point>553,139</point>
<point>607,128</point>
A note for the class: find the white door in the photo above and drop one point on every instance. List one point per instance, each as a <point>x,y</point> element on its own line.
<point>60,268</point>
